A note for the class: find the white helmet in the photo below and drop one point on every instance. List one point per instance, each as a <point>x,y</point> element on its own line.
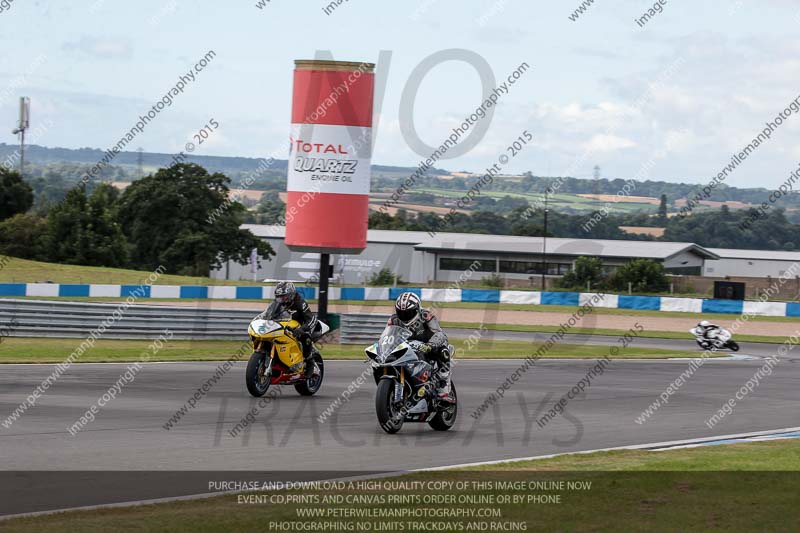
<point>407,307</point>
<point>704,323</point>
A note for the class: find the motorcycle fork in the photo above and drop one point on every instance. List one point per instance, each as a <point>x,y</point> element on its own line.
<point>398,389</point>
<point>268,365</point>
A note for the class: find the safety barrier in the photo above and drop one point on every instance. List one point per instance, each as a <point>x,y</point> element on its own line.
<point>572,299</point>
<point>47,318</point>
<point>361,328</point>
<point>38,318</point>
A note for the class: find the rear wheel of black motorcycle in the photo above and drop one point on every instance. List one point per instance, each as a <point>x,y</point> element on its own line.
<point>446,417</point>
<point>385,407</point>
<point>257,375</point>
<point>309,387</point>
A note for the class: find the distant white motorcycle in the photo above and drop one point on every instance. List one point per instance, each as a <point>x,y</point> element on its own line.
<point>715,339</point>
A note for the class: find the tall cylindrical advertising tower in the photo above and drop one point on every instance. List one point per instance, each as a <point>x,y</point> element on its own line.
<point>329,157</point>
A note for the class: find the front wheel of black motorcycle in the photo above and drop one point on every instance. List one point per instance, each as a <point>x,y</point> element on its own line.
<point>733,345</point>
<point>389,416</point>
<point>309,387</point>
<point>257,375</point>
<point>445,418</point>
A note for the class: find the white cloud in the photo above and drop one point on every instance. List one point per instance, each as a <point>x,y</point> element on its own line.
<point>101,48</point>
<point>608,143</point>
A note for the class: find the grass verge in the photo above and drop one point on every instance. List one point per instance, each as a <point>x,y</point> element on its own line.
<point>741,487</point>
<point>26,271</point>
<point>34,350</point>
<point>603,331</point>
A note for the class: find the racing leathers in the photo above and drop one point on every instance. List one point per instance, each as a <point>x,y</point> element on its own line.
<point>426,329</point>
<point>300,311</point>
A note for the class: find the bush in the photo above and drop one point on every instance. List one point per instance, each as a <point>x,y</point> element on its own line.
<point>644,275</point>
<point>24,236</point>
<point>16,196</point>
<point>383,277</point>
<point>493,280</point>
<point>586,270</point>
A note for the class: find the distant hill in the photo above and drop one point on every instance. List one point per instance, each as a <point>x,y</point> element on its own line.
<point>69,164</point>
<point>226,164</point>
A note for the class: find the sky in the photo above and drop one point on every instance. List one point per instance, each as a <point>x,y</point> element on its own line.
<point>672,100</point>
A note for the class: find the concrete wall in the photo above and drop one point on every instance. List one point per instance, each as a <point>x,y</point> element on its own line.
<point>750,268</point>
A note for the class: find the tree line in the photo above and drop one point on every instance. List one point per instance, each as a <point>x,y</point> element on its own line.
<point>164,219</point>
<point>718,228</point>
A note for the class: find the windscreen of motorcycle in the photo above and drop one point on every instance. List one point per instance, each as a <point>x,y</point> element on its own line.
<point>260,327</point>
<point>391,338</point>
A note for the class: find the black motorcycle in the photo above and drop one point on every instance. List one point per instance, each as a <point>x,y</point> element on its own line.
<point>407,384</point>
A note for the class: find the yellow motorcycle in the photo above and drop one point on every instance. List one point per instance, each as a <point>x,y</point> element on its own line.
<point>277,357</point>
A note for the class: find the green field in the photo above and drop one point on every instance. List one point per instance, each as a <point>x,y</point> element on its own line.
<point>25,271</point>
<point>559,200</point>
<point>740,487</point>
<point>33,350</point>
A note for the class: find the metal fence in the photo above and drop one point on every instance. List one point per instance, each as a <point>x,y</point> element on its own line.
<point>47,318</point>
<point>35,318</point>
<point>362,328</point>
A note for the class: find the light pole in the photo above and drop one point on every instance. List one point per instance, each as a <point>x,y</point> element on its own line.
<point>544,240</point>
<point>24,122</point>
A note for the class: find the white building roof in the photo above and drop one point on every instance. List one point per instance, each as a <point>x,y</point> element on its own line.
<point>762,255</point>
<point>373,235</point>
<point>475,242</point>
<point>575,247</point>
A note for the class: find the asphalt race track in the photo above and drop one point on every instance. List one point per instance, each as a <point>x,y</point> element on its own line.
<point>288,439</point>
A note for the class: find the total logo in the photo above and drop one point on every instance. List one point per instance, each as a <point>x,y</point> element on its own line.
<point>299,145</point>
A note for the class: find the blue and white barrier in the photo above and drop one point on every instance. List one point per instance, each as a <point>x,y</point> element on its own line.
<point>256,292</point>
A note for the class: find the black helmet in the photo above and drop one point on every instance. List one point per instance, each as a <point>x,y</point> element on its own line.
<point>407,307</point>
<point>284,292</point>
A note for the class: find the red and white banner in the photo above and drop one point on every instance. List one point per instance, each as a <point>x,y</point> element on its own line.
<point>329,156</point>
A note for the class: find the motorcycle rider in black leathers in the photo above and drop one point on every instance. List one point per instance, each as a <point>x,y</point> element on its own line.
<point>424,327</point>
<point>288,299</point>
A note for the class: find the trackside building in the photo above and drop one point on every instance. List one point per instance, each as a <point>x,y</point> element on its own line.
<point>417,257</point>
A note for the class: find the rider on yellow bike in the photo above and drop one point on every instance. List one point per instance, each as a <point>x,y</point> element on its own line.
<point>288,299</point>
